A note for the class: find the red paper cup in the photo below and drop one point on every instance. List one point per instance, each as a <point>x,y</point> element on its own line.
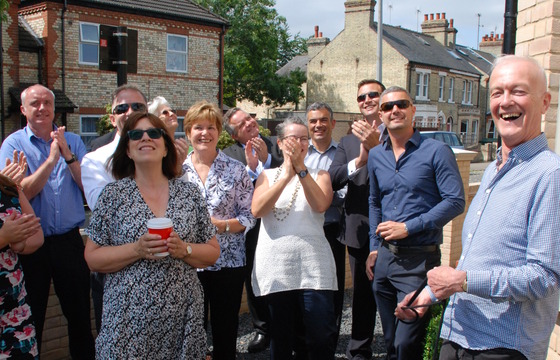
<point>161,226</point>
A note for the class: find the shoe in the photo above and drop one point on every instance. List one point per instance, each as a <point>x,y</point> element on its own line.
<point>259,343</point>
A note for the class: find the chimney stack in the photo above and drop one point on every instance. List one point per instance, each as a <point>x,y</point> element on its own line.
<point>492,43</point>
<point>438,27</point>
<point>358,15</point>
<point>316,43</point>
<point>316,31</point>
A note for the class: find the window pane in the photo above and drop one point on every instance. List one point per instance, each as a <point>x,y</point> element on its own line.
<point>89,124</point>
<point>176,61</point>
<point>176,43</point>
<point>88,53</point>
<point>89,33</point>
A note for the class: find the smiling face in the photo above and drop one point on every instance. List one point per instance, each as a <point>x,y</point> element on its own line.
<point>146,149</point>
<point>293,134</point>
<point>398,120</point>
<point>320,126</point>
<point>128,96</point>
<point>38,108</point>
<point>245,126</point>
<point>518,99</point>
<point>369,107</point>
<point>169,117</point>
<point>204,136</point>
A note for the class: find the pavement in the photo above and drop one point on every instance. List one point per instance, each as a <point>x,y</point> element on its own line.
<point>477,169</point>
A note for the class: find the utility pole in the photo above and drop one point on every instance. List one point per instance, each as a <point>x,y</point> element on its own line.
<point>417,14</point>
<point>390,10</point>
<point>380,41</point>
<point>478,33</point>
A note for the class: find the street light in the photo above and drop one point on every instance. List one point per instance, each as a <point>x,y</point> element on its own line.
<point>417,13</point>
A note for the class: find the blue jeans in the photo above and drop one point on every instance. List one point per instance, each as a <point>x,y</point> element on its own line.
<point>317,311</point>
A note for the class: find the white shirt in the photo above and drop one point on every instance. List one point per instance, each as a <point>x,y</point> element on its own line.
<point>94,172</point>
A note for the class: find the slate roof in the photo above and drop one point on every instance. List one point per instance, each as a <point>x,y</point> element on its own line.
<point>424,49</point>
<point>482,60</point>
<point>28,40</point>
<point>168,9</point>
<point>299,62</point>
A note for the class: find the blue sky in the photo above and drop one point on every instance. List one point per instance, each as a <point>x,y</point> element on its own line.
<point>303,15</point>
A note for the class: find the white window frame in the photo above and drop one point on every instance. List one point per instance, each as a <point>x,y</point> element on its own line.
<point>467,92</point>
<point>441,87</point>
<point>180,134</point>
<point>87,42</point>
<point>176,52</point>
<point>451,90</point>
<point>88,134</point>
<point>422,84</point>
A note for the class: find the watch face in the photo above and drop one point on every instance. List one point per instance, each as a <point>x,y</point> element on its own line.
<point>302,173</point>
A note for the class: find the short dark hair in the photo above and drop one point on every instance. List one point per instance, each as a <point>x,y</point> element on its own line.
<point>394,89</point>
<point>320,105</point>
<point>371,81</point>
<point>127,87</point>
<point>121,166</point>
<point>226,119</point>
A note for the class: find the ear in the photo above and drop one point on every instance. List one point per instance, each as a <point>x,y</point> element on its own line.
<point>333,123</point>
<point>113,120</point>
<point>546,102</point>
<point>22,109</point>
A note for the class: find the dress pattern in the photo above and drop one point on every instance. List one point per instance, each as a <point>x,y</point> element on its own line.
<point>152,309</point>
<point>228,191</point>
<point>17,337</point>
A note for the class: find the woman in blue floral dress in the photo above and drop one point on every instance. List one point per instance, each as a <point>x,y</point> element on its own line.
<point>20,233</point>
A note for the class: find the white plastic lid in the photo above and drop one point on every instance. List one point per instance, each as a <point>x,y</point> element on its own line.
<point>160,223</point>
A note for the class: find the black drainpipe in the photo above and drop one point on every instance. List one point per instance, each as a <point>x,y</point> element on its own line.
<point>2,119</point>
<point>63,70</point>
<point>221,73</point>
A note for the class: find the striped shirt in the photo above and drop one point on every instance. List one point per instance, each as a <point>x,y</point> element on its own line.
<point>511,253</point>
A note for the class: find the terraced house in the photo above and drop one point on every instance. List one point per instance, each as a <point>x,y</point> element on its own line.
<point>175,49</point>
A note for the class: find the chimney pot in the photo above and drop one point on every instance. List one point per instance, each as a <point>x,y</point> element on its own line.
<point>443,16</point>
<point>437,16</point>
<point>321,34</point>
<point>451,23</point>
<point>425,17</point>
<point>502,36</point>
<point>431,16</point>
<point>316,30</point>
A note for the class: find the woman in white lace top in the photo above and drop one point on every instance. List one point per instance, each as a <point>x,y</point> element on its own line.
<point>294,266</point>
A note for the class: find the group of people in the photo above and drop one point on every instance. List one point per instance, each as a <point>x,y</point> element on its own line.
<point>278,215</point>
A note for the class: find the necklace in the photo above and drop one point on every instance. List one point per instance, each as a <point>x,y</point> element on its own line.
<point>282,213</point>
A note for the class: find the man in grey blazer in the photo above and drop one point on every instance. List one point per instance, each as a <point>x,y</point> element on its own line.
<point>257,153</point>
<point>349,168</point>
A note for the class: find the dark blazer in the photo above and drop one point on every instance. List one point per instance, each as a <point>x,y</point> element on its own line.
<point>355,225</point>
<point>237,152</point>
<point>103,140</point>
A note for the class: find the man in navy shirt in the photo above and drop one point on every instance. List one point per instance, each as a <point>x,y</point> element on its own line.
<point>415,189</point>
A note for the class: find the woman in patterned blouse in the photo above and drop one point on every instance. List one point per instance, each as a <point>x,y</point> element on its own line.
<point>228,191</point>
<point>152,302</point>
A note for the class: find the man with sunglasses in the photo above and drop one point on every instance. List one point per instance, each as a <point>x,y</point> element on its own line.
<point>415,189</point>
<point>53,186</point>
<point>349,168</point>
<point>95,175</point>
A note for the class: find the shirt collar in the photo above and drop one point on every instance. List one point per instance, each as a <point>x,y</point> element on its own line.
<point>526,150</point>
<point>313,148</point>
<point>31,134</point>
<point>415,140</point>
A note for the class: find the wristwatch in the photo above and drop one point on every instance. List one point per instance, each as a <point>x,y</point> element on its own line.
<point>189,250</point>
<point>227,227</point>
<point>465,286</point>
<point>72,159</point>
<point>303,173</point>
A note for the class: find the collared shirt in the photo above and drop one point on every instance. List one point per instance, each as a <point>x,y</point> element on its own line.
<point>323,160</point>
<point>511,252</point>
<point>352,170</point>
<point>59,204</point>
<point>94,171</point>
<point>260,166</point>
<point>423,189</point>
<point>228,191</point>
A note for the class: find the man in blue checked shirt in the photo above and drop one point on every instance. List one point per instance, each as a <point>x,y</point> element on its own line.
<point>415,189</point>
<point>504,293</point>
<point>53,185</point>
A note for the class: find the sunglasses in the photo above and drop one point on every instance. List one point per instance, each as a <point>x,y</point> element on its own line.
<point>169,112</point>
<point>371,94</point>
<point>401,104</point>
<point>122,108</point>
<point>153,133</point>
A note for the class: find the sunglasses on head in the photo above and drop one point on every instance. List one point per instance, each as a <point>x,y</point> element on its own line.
<point>371,94</point>
<point>122,108</point>
<point>401,104</point>
<point>169,112</point>
<point>153,133</point>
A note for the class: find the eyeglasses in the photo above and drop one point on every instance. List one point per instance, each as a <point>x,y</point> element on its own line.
<point>401,104</point>
<point>169,112</point>
<point>153,133</point>
<point>297,138</point>
<point>371,94</point>
<point>122,108</point>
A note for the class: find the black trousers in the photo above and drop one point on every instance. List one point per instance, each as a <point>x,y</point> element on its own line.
<point>258,307</point>
<point>453,351</point>
<point>394,277</point>
<point>222,298</point>
<point>61,258</point>
<point>363,305</point>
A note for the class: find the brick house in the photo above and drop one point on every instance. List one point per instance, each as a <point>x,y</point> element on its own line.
<point>175,49</point>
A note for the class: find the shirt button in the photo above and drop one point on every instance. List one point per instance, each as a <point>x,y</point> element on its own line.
<point>478,212</point>
<point>395,208</point>
<point>469,236</point>
<point>397,170</point>
<point>488,191</point>
<point>462,257</point>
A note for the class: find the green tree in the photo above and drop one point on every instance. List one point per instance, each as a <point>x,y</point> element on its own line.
<point>256,45</point>
<point>104,124</point>
<point>4,6</point>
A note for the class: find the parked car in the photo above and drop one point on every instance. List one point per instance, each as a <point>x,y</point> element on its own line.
<point>448,137</point>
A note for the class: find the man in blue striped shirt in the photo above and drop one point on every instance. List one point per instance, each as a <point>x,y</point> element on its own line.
<point>504,292</point>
